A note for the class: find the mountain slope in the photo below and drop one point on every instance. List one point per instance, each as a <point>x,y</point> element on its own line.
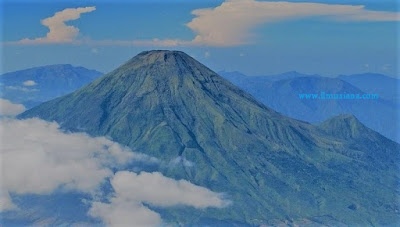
<point>35,85</point>
<point>386,87</point>
<point>273,168</point>
<point>255,83</point>
<point>283,96</point>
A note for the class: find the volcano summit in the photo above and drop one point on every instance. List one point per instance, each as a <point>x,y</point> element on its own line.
<point>273,168</point>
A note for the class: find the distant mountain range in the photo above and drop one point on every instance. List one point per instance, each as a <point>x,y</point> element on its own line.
<point>387,87</point>
<point>281,93</point>
<point>276,170</point>
<point>36,85</point>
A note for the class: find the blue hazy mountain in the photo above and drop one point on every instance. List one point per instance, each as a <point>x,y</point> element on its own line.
<point>253,82</point>
<point>288,75</point>
<point>238,77</point>
<point>281,93</point>
<point>273,168</point>
<point>387,87</point>
<point>36,85</point>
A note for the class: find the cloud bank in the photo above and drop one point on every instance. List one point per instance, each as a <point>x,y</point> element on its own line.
<point>59,32</point>
<point>37,157</point>
<point>10,109</point>
<point>132,190</point>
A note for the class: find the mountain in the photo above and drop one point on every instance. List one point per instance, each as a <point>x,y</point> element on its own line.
<point>243,82</point>
<point>239,78</point>
<point>36,85</point>
<point>255,84</point>
<point>236,76</point>
<point>386,87</point>
<point>274,169</point>
<point>288,75</point>
<point>283,95</point>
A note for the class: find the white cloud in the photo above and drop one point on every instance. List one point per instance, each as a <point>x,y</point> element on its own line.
<point>37,157</point>
<point>164,191</point>
<point>182,161</point>
<point>231,23</point>
<point>19,88</point>
<point>94,50</point>
<point>29,83</point>
<point>9,109</point>
<point>207,54</point>
<point>121,212</point>
<point>132,190</point>
<point>59,32</point>
<point>5,199</point>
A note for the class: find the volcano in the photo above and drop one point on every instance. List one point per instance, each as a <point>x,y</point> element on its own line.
<point>274,169</point>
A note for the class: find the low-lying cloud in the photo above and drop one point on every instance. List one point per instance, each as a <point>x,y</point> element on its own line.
<point>121,213</point>
<point>132,190</point>
<point>181,161</point>
<point>10,109</point>
<point>37,157</point>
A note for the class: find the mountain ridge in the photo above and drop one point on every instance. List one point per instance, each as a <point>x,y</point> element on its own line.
<point>283,96</point>
<point>35,85</point>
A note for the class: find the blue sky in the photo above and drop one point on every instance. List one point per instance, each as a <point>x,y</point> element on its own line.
<point>322,39</point>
